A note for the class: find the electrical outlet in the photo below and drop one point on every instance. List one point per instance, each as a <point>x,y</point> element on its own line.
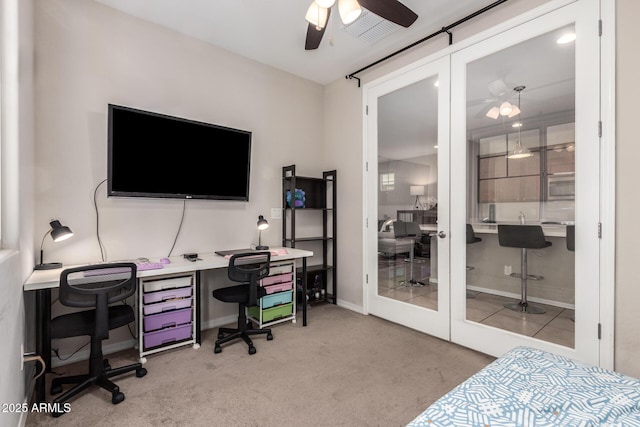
<point>507,270</point>
<point>276,213</point>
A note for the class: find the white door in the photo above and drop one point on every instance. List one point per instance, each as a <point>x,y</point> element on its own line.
<point>407,129</point>
<point>531,89</point>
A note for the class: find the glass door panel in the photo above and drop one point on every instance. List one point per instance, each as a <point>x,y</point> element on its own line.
<point>406,117</point>
<point>516,95</point>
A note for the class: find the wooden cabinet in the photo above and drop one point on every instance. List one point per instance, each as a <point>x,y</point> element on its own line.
<point>309,218</point>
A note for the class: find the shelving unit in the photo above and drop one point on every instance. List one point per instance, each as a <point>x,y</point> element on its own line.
<point>166,313</point>
<point>279,305</point>
<point>301,227</point>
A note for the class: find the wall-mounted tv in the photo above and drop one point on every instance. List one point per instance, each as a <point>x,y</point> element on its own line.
<point>160,156</point>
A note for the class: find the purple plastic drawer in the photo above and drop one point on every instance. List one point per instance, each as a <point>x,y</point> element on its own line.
<point>167,320</point>
<point>170,294</point>
<point>279,287</point>
<point>161,307</point>
<point>280,278</point>
<point>166,336</point>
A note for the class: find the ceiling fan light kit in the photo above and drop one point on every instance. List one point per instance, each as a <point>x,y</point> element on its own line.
<point>317,15</point>
<point>349,10</point>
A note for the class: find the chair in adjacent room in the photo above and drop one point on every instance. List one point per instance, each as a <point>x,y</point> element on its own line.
<point>411,232</point>
<point>247,268</point>
<point>95,287</point>
<point>471,239</point>
<point>571,246</point>
<point>524,237</point>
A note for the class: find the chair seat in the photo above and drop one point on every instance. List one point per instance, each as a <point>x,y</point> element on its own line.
<point>522,236</point>
<point>83,322</point>
<point>237,294</point>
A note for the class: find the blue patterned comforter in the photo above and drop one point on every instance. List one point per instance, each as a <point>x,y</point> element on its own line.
<point>529,387</point>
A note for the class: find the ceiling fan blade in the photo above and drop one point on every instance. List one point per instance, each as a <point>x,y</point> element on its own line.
<point>391,10</point>
<point>314,35</point>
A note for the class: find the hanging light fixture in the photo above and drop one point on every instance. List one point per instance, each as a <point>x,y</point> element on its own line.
<point>317,15</point>
<point>349,10</point>
<point>520,152</point>
<point>325,3</point>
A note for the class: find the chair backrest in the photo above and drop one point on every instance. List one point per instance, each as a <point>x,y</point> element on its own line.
<point>471,235</point>
<point>97,286</point>
<point>413,229</point>
<point>571,238</point>
<point>522,236</point>
<point>248,268</point>
<point>399,228</point>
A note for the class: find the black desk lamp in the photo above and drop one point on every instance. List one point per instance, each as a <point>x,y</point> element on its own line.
<point>262,225</point>
<point>58,233</point>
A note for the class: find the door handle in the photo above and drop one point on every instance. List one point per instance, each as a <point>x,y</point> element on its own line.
<point>442,234</point>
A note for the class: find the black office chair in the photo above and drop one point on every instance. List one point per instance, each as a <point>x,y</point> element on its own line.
<point>523,237</point>
<point>247,268</point>
<point>95,287</point>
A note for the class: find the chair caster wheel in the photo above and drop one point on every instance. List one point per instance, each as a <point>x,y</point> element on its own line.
<point>117,398</point>
<point>56,389</point>
<point>141,372</point>
<point>269,337</point>
<point>252,350</point>
<point>217,349</point>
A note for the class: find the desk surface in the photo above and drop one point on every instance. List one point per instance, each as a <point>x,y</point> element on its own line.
<point>47,279</point>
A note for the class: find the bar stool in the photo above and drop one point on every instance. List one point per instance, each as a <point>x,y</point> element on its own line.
<point>523,237</point>
<point>471,239</point>
<point>571,246</point>
<point>408,231</point>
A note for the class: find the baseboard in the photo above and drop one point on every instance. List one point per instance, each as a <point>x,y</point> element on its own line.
<point>357,308</point>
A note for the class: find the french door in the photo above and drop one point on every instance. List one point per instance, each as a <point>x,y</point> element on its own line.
<point>514,117</point>
<point>409,195</point>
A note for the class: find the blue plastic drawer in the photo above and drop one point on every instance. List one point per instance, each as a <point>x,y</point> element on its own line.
<point>277,299</point>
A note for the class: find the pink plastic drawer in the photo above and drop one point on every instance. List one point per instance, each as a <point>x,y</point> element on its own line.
<point>167,320</point>
<point>279,287</point>
<point>166,336</point>
<point>170,294</point>
<point>161,307</point>
<point>280,278</point>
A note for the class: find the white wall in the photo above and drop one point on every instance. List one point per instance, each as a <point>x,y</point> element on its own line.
<point>16,48</point>
<point>89,55</point>
<point>627,177</point>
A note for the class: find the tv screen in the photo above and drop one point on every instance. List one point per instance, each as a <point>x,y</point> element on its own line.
<point>155,155</point>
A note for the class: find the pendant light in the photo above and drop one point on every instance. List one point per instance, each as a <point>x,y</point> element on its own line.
<point>520,152</point>
<point>317,15</point>
<point>349,10</point>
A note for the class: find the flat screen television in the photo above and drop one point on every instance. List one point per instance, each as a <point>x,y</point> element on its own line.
<point>160,156</point>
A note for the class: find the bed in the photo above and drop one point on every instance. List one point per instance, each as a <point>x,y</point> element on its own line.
<point>530,387</point>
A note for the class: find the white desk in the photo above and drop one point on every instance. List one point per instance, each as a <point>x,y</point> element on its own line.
<point>42,281</point>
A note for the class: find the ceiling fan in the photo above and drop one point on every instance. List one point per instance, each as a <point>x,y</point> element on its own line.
<point>320,10</point>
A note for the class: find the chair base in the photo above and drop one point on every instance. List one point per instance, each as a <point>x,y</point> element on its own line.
<point>226,335</point>
<point>525,307</point>
<point>101,379</point>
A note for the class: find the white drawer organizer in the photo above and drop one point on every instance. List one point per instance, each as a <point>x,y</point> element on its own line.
<point>166,314</point>
<point>279,305</point>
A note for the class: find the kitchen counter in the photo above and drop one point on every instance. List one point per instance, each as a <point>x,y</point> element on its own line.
<point>549,230</point>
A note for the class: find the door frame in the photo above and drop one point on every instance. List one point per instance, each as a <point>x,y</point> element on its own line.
<point>608,152</point>
<point>434,322</point>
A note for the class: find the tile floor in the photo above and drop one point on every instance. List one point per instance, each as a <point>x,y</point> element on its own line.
<point>553,326</point>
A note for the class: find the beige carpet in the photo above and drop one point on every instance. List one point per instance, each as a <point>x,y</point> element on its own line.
<point>342,369</point>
